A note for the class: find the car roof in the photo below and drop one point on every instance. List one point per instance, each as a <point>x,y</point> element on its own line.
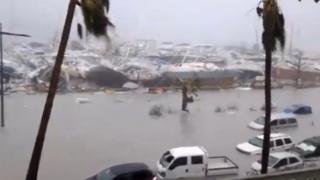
<point>275,135</point>
<point>280,155</point>
<point>313,140</point>
<point>187,151</point>
<point>299,105</point>
<point>127,168</point>
<point>281,115</point>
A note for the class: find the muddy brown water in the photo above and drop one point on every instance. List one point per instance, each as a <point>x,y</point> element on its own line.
<point>116,128</point>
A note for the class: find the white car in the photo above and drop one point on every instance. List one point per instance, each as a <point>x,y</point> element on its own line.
<point>279,161</point>
<point>278,141</point>
<point>277,120</point>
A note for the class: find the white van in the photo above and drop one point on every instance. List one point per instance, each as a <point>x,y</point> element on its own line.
<point>278,120</point>
<point>278,142</point>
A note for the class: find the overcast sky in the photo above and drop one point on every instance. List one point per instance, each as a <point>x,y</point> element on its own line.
<point>219,22</point>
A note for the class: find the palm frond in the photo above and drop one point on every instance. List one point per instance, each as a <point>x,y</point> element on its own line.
<point>106,4</point>
<point>95,18</point>
<point>273,25</point>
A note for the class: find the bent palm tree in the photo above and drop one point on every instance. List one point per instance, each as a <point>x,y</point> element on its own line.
<point>273,25</point>
<point>96,23</point>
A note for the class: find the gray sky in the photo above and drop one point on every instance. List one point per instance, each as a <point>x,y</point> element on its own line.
<point>217,22</point>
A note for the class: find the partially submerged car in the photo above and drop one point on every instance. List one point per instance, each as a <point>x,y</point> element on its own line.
<point>278,142</point>
<point>278,120</point>
<point>298,109</point>
<point>129,171</point>
<point>279,161</point>
<point>308,149</point>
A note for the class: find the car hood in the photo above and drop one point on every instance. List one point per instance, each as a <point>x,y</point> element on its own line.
<point>160,168</point>
<point>256,166</point>
<point>256,126</point>
<point>248,148</point>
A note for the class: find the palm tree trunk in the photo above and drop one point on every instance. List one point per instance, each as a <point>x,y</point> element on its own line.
<point>267,89</point>
<point>37,150</point>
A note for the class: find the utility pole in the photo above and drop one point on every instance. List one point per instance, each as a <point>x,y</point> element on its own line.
<point>1,80</point>
<point>1,69</point>
<point>33,168</point>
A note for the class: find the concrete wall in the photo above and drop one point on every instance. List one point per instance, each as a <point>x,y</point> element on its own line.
<point>306,174</point>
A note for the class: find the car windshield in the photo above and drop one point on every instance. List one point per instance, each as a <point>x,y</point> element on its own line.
<point>256,141</point>
<point>166,159</point>
<point>306,147</point>
<point>272,161</point>
<point>105,175</point>
<point>260,120</point>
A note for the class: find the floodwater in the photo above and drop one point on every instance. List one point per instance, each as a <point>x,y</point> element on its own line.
<point>82,139</point>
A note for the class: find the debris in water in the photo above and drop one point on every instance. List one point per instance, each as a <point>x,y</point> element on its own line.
<point>159,110</point>
<point>219,109</point>
<point>156,110</point>
<point>123,100</point>
<point>273,107</point>
<point>232,108</point>
<point>82,100</point>
<point>253,109</point>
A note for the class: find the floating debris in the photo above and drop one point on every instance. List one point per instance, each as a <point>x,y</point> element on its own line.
<point>219,109</point>
<point>232,108</point>
<point>123,100</point>
<point>253,109</point>
<point>156,110</point>
<point>244,88</point>
<point>273,107</point>
<point>83,100</point>
<point>160,110</point>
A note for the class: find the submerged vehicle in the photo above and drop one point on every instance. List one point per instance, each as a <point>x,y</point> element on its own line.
<point>278,120</point>
<point>193,162</point>
<point>129,171</point>
<point>278,141</point>
<point>308,149</point>
<point>279,161</point>
<point>299,109</point>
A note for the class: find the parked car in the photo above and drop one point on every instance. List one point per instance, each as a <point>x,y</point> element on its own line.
<point>129,171</point>
<point>193,162</point>
<point>278,142</point>
<point>298,109</point>
<point>308,149</point>
<point>279,161</point>
<point>278,120</point>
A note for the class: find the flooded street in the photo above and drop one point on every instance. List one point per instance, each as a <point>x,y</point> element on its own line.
<point>82,139</point>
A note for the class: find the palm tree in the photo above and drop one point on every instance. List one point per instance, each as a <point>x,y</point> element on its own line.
<point>273,25</point>
<point>96,23</point>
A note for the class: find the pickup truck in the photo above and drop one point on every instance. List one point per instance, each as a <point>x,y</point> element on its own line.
<point>308,150</point>
<point>193,162</point>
